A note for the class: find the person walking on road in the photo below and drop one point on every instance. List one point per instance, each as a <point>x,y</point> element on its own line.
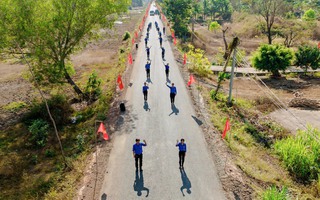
<point>145,89</point>
<point>173,92</point>
<point>182,152</point>
<point>163,51</point>
<point>148,66</point>
<point>164,30</point>
<point>167,69</point>
<point>148,52</point>
<point>160,34</point>
<point>137,152</point>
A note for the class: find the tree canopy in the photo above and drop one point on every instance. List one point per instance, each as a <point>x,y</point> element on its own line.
<point>49,31</point>
<point>272,58</point>
<point>308,56</point>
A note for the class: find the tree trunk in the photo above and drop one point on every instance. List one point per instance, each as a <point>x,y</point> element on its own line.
<point>269,35</point>
<point>276,74</point>
<point>226,52</point>
<point>71,82</point>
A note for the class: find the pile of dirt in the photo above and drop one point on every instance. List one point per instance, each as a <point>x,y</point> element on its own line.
<point>304,103</point>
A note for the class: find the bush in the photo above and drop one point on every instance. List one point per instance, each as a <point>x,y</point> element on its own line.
<point>199,64</point>
<point>309,15</point>
<point>59,107</point>
<point>39,132</point>
<point>272,58</point>
<point>308,56</point>
<point>93,89</point>
<point>126,36</point>
<point>50,153</point>
<point>274,194</point>
<point>301,154</point>
<point>80,143</point>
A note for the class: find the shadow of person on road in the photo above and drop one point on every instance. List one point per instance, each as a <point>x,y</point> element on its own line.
<point>146,106</point>
<point>138,184</point>
<point>148,80</point>
<point>198,121</point>
<point>168,80</point>
<point>174,109</point>
<point>186,184</point>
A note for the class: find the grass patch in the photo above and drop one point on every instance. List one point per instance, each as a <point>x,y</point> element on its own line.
<point>15,106</point>
<point>274,194</point>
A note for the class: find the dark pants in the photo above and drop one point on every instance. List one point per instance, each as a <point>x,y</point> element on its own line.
<point>172,96</point>
<point>145,94</point>
<point>148,73</point>
<point>138,157</point>
<point>182,154</point>
<point>167,73</point>
<point>162,55</point>
<point>160,43</point>
<point>148,54</point>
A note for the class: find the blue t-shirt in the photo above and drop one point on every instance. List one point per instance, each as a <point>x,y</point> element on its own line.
<point>160,39</point>
<point>137,148</point>
<point>173,89</point>
<point>145,88</point>
<point>167,67</point>
<point>148,50</point>
<point>182,147</point>
<point>145,39</point>
<point>148,66</point>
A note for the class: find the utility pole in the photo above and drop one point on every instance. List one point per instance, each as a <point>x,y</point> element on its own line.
<point>232,75</point>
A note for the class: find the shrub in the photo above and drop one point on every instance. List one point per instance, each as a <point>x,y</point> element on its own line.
<point>126,36</point>
<point>59,107</point>
<point>272,58</point>
<point>199,64</point>
<point>93,89</point>
<point>308,56</point>
<point>274,194</point>
<point>80,143</point>
<point>214,26</point>
<point>301,154</point>
<point>39,132</point>
<point>309,15</point>
<point>50,153</point>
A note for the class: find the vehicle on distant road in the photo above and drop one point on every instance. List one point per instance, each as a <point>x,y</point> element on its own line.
<point>151,13</point>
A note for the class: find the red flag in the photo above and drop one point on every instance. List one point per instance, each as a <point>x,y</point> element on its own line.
<point>102,129</point>
<point>319,45</point>
<point>136,34</point>
<point>172,34</point>
<point>132,41</point>
<point>191,80</point>
<point>175,41</point>
<point>120,83</point>
<point>130,59</point>
<point>226,128</point>
<point>185,58</point>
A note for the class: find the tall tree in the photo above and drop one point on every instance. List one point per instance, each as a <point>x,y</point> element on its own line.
<point>269,10</point>
<point>307,57</point>
<point>51,30</point>
<point>179,12</point>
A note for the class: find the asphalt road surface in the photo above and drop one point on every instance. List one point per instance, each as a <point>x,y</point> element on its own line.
<point>160,125</point>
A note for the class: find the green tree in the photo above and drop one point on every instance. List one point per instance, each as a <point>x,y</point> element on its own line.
<point>272,58</point>
<point>179,12</point>
<point>51,30</point>
<point>292,30</point>
<point>307,57</point>
<point>309,15</point>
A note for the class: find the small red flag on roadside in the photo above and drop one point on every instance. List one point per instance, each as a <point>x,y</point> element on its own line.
<point>130,59</point>
<point>226,128</point>
<point>120,83</point>
<point>185,58</point>
<point>172,34</point>
<point>191,80</point>
<point>175,41</point>
<point>319,45</point>
<point>136,34</point>
<point>132,41</point>
<point>102,129</point>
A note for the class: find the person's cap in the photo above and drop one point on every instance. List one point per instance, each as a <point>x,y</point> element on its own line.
<point>137,140</point>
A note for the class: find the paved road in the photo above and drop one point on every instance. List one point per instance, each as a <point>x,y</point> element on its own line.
<point>161,126</point>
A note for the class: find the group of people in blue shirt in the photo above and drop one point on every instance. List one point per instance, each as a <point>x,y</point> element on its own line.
<point>137,152</point>
<point>145,87</point>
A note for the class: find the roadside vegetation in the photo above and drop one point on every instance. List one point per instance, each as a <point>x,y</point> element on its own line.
<point>32,164</point>
<point>274,35</point>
